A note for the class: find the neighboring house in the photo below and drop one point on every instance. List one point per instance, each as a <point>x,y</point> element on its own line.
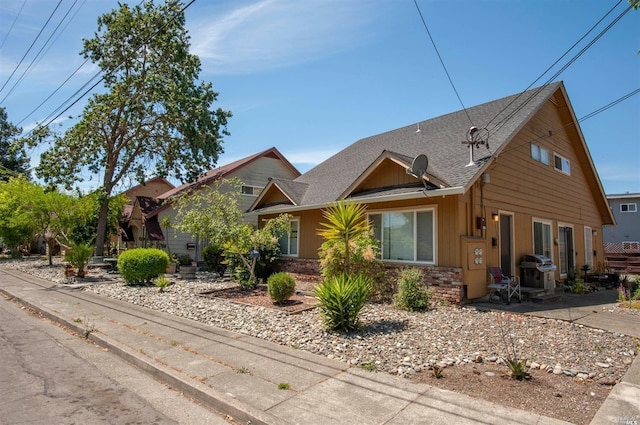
<point>622,241</point>
<point>533,189</point>
<point>147,219</point>
<point>132,231</point>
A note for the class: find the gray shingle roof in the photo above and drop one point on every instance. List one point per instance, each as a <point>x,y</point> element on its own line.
<point>439,138</point>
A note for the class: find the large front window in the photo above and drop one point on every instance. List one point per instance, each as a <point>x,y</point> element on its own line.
<point>289,241</point>
<point>405,235</point>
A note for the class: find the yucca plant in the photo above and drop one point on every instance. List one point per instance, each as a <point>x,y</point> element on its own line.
<point>340,300</point>
<point>346,222</point>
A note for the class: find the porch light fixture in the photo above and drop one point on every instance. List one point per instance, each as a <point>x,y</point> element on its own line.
<point>495,216</point>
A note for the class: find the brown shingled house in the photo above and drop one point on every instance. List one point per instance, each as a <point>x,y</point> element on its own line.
<point>525,185</point>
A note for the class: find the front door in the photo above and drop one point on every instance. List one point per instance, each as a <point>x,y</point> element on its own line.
<point>565,250</point>
<point>506,244</point>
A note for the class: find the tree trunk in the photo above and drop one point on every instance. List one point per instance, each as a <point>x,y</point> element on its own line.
<point>101,231</point>
<point>51,242</point>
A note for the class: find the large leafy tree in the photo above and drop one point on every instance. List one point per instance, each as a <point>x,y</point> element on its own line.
<point>13,159</point>
<point>17,226</point>
<point>154,112</point>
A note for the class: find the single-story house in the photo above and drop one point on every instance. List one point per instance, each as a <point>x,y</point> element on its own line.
<point>481,187</point>
<point>146,218</point>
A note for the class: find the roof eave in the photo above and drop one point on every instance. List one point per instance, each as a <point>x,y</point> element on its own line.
<point>458,190</point>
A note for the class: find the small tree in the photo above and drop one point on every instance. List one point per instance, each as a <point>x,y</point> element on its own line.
<point>246,247</point>
<point>213,213</point>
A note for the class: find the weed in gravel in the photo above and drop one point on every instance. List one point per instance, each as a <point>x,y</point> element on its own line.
<point>368,366</point>
<point>517,366</point>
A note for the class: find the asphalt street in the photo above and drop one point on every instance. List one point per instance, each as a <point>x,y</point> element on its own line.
<point>49,376</point>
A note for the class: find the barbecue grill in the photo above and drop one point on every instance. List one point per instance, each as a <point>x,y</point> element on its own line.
<point>538,271</point>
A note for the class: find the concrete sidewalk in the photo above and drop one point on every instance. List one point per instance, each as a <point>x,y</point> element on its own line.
<point>239,375</point>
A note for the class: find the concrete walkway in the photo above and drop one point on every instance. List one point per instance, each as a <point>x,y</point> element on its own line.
<point>240,375</point>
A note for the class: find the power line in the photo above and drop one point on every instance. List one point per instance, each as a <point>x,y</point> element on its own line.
<point>38,55</point>
<point>571,61</point>
<point>67,79</point>
<point>610,105</point>
<point>30,47</point>
<point>51,118</point>
<point>12,24</point>
<point>573,123</point>
<point>441,61</point>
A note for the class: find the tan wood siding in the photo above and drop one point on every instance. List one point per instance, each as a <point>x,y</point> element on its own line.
<point>387,174</point>
<point>531,189</point>
<point>274,196</point>
<point>309,241</point>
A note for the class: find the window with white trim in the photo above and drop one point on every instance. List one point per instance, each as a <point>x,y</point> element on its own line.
<point>633,207</point>
<point>561,163</point>
<point>405,235</point>
<point>540,154</point>
<point>542,238</point>
<point>289,241</point>
<point>251,190</point>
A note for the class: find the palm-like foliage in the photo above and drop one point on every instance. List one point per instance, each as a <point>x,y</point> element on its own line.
<point>341,299</point>
<point>346,222</point>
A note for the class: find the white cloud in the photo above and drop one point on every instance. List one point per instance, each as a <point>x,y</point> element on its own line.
<point>271,34</point>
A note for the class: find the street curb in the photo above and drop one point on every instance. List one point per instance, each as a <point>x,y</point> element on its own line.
<point>204,395</point>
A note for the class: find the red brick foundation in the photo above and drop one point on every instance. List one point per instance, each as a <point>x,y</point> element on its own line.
<point>446,282</point>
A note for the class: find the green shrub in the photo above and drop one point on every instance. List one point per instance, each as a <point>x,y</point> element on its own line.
<point>140,265</point>
<point>281,287</point>
<point>79,256</point>
<point>185,260</point>
<point>578,287</point>
<point>341,299</point>
<point>213,255</point>
<point>412,294</point>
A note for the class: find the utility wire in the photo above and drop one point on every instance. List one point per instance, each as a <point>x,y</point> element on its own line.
<point>51,118</point>
<point>572,123</point>
<point>504,120</point>
<point>30,47</point>
<point>441,61</point>
<point>612,104</point>
<point>38,55</point>
<point>66,80</point>
<point>12,24</point>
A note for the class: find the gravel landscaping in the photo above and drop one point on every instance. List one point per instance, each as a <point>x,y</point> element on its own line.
<point>391,340</point>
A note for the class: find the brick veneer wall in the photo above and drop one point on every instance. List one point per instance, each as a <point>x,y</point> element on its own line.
<point>446,282</point>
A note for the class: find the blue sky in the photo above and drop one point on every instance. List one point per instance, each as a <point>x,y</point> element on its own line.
<point>311,77</point>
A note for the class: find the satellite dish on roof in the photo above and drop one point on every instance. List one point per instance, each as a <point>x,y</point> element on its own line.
<point>418,166</point>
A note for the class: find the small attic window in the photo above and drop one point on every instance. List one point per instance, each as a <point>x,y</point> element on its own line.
<point>251,190</point>
<point>540,154</point>
<point>561,164</point>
